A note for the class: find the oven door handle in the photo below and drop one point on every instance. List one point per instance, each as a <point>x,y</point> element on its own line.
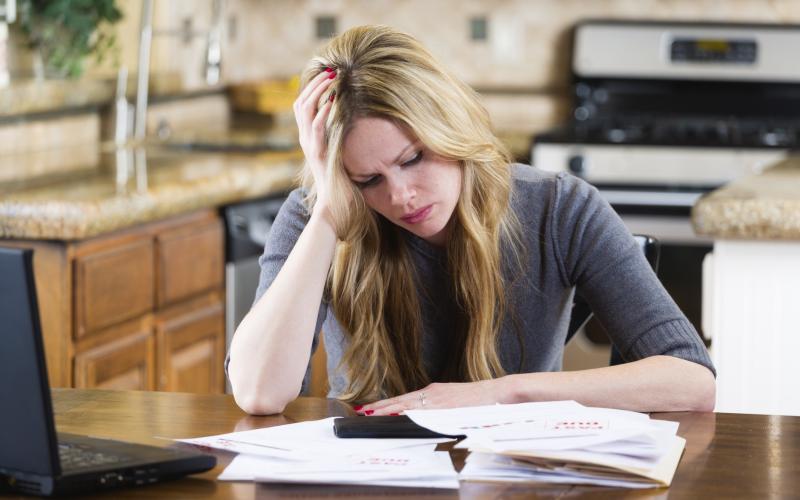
<point>650,197</point>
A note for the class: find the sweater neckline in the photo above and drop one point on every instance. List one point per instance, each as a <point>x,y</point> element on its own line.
<point>424,247</point>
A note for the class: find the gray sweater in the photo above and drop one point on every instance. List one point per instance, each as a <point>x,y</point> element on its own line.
<point>574,241</point>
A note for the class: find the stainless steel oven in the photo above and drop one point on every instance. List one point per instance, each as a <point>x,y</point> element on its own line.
<point>664,112</point>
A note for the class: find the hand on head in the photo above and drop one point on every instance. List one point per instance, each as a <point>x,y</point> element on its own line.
<point>311,121</point>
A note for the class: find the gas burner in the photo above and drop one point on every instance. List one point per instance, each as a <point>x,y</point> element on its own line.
<point>668,131</point>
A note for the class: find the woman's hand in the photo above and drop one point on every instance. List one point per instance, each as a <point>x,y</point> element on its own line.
<point>311,125</point>
<point>438,395</point>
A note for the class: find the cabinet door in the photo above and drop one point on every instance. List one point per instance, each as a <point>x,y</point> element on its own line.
<point>114,282</point>
<point>191,346</point>
<point>190,261</point>
<point>122,357</point>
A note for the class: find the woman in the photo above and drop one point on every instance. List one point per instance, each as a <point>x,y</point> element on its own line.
<point>441,274</point>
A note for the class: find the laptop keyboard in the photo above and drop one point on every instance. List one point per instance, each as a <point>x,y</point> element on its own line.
<point>75,456</point>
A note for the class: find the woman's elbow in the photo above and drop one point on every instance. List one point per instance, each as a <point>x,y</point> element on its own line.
<point>706,397</point>
<point>259,406</point>
<point>259,403</point>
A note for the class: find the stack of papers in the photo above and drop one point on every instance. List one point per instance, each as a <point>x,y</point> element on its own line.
<point>309,452</point>
<point>550,442</point>
<point>561,442</point>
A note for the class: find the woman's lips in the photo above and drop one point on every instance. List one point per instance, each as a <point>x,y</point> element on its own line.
<point>418,215</point>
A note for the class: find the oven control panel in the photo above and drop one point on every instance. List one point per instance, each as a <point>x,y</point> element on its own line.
<point>685,51</point>
<point>714,51</point>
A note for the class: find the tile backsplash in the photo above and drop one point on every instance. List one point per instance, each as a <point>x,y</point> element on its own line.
<point>515,52</point>
<point>526,45</point>
<point>521,65</point>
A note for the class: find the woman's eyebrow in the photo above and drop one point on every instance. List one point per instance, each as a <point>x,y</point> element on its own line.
<point>396,160</point>
<point>403,151</point>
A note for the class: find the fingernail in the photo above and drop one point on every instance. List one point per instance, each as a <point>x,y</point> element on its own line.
<point>394,414</point>
<point>333,96</point>
<point>356,408</point>
<point>328,70</point>
<point>369,412</point>
<point>332,74</point>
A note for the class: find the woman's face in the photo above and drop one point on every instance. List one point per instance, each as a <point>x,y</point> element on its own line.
<point>401,179</point>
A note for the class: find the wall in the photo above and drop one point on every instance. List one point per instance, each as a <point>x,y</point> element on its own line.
<point>521,69</point>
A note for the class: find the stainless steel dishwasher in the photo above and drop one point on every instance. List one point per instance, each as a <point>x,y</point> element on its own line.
<point>247,225</point>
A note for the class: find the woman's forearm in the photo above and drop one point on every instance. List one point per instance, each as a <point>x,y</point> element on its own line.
<point>272,345</point>
<point>657,383</point>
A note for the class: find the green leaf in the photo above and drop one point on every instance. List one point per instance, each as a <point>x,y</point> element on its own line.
<point>67,31</point>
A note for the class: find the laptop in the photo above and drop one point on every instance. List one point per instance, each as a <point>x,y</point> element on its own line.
<point>34,459</point>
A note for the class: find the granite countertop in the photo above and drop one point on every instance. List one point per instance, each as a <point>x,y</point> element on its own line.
<point>127,187</point>
<point>29,95</point>
<point>763,206</point>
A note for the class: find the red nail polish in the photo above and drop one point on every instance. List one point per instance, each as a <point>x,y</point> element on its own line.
<point>333,96</point>
<point>328,70</point>
<point>369,412</point>
<point>394,414</point>
<point>332,75</point>
<point>356,408</point>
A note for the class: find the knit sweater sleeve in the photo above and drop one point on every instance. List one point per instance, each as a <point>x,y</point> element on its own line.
<point>284,233</point>
<point>597,254</point>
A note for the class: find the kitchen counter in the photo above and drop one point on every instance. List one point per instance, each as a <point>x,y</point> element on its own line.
<point>127,187</point>
<point>26,96</point>
<point>763,206</point>
<point>750,289</point>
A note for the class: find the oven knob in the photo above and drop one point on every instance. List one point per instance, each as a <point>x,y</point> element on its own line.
<point>576,164</point>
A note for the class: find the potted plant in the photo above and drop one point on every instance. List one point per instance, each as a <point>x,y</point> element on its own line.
<point>64,32</point>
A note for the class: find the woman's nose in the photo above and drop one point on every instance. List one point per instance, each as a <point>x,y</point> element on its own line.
<point>400,192</point>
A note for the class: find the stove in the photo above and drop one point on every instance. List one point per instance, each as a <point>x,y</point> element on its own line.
<point>664,112</point>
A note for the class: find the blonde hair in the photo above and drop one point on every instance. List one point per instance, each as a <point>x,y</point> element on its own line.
<point>385,73</point>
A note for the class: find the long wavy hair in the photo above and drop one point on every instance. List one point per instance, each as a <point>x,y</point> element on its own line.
<point>372,287</point>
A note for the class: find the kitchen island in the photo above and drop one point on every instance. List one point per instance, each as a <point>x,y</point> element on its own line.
<point>751,290</point>
<point>129,258</point>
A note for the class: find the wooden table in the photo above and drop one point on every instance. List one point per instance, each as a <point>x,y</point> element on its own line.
<point>727,455</point>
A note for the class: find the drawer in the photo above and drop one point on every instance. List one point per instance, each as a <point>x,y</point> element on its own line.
<point>191,346</point>
<point>122,357</point>
<point>113,283</point>
<point>190,261</point>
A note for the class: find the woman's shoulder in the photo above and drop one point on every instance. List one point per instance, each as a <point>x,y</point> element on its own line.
<point>295,206</point>
<point>532,185</point>
<point>538,185</point>
<point>290,219</point>
<point>524,173</point>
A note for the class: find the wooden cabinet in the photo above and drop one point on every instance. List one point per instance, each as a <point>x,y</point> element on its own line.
<point>190,261</point>
<point>122,357</point>
<point>191,349</point>
<point>141,308</point>
<point>113,283</point>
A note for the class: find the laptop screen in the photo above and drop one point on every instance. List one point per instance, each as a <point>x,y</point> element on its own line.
<point>27,432</point>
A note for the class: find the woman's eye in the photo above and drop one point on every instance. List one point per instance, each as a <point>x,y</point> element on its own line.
<point>369,182</point>
<point>413,161</point>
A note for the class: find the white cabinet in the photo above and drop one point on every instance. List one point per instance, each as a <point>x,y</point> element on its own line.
<point>751,309</point>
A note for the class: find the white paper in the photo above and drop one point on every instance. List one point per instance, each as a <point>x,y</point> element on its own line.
<point>492,419</point>
<point>562,432</point>
<point>417,466</point>
<point>301,441</point>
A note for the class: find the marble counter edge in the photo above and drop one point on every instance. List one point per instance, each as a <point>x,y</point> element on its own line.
<point>762,206</point>
<point>65,220</point>
<point>747,219</point>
